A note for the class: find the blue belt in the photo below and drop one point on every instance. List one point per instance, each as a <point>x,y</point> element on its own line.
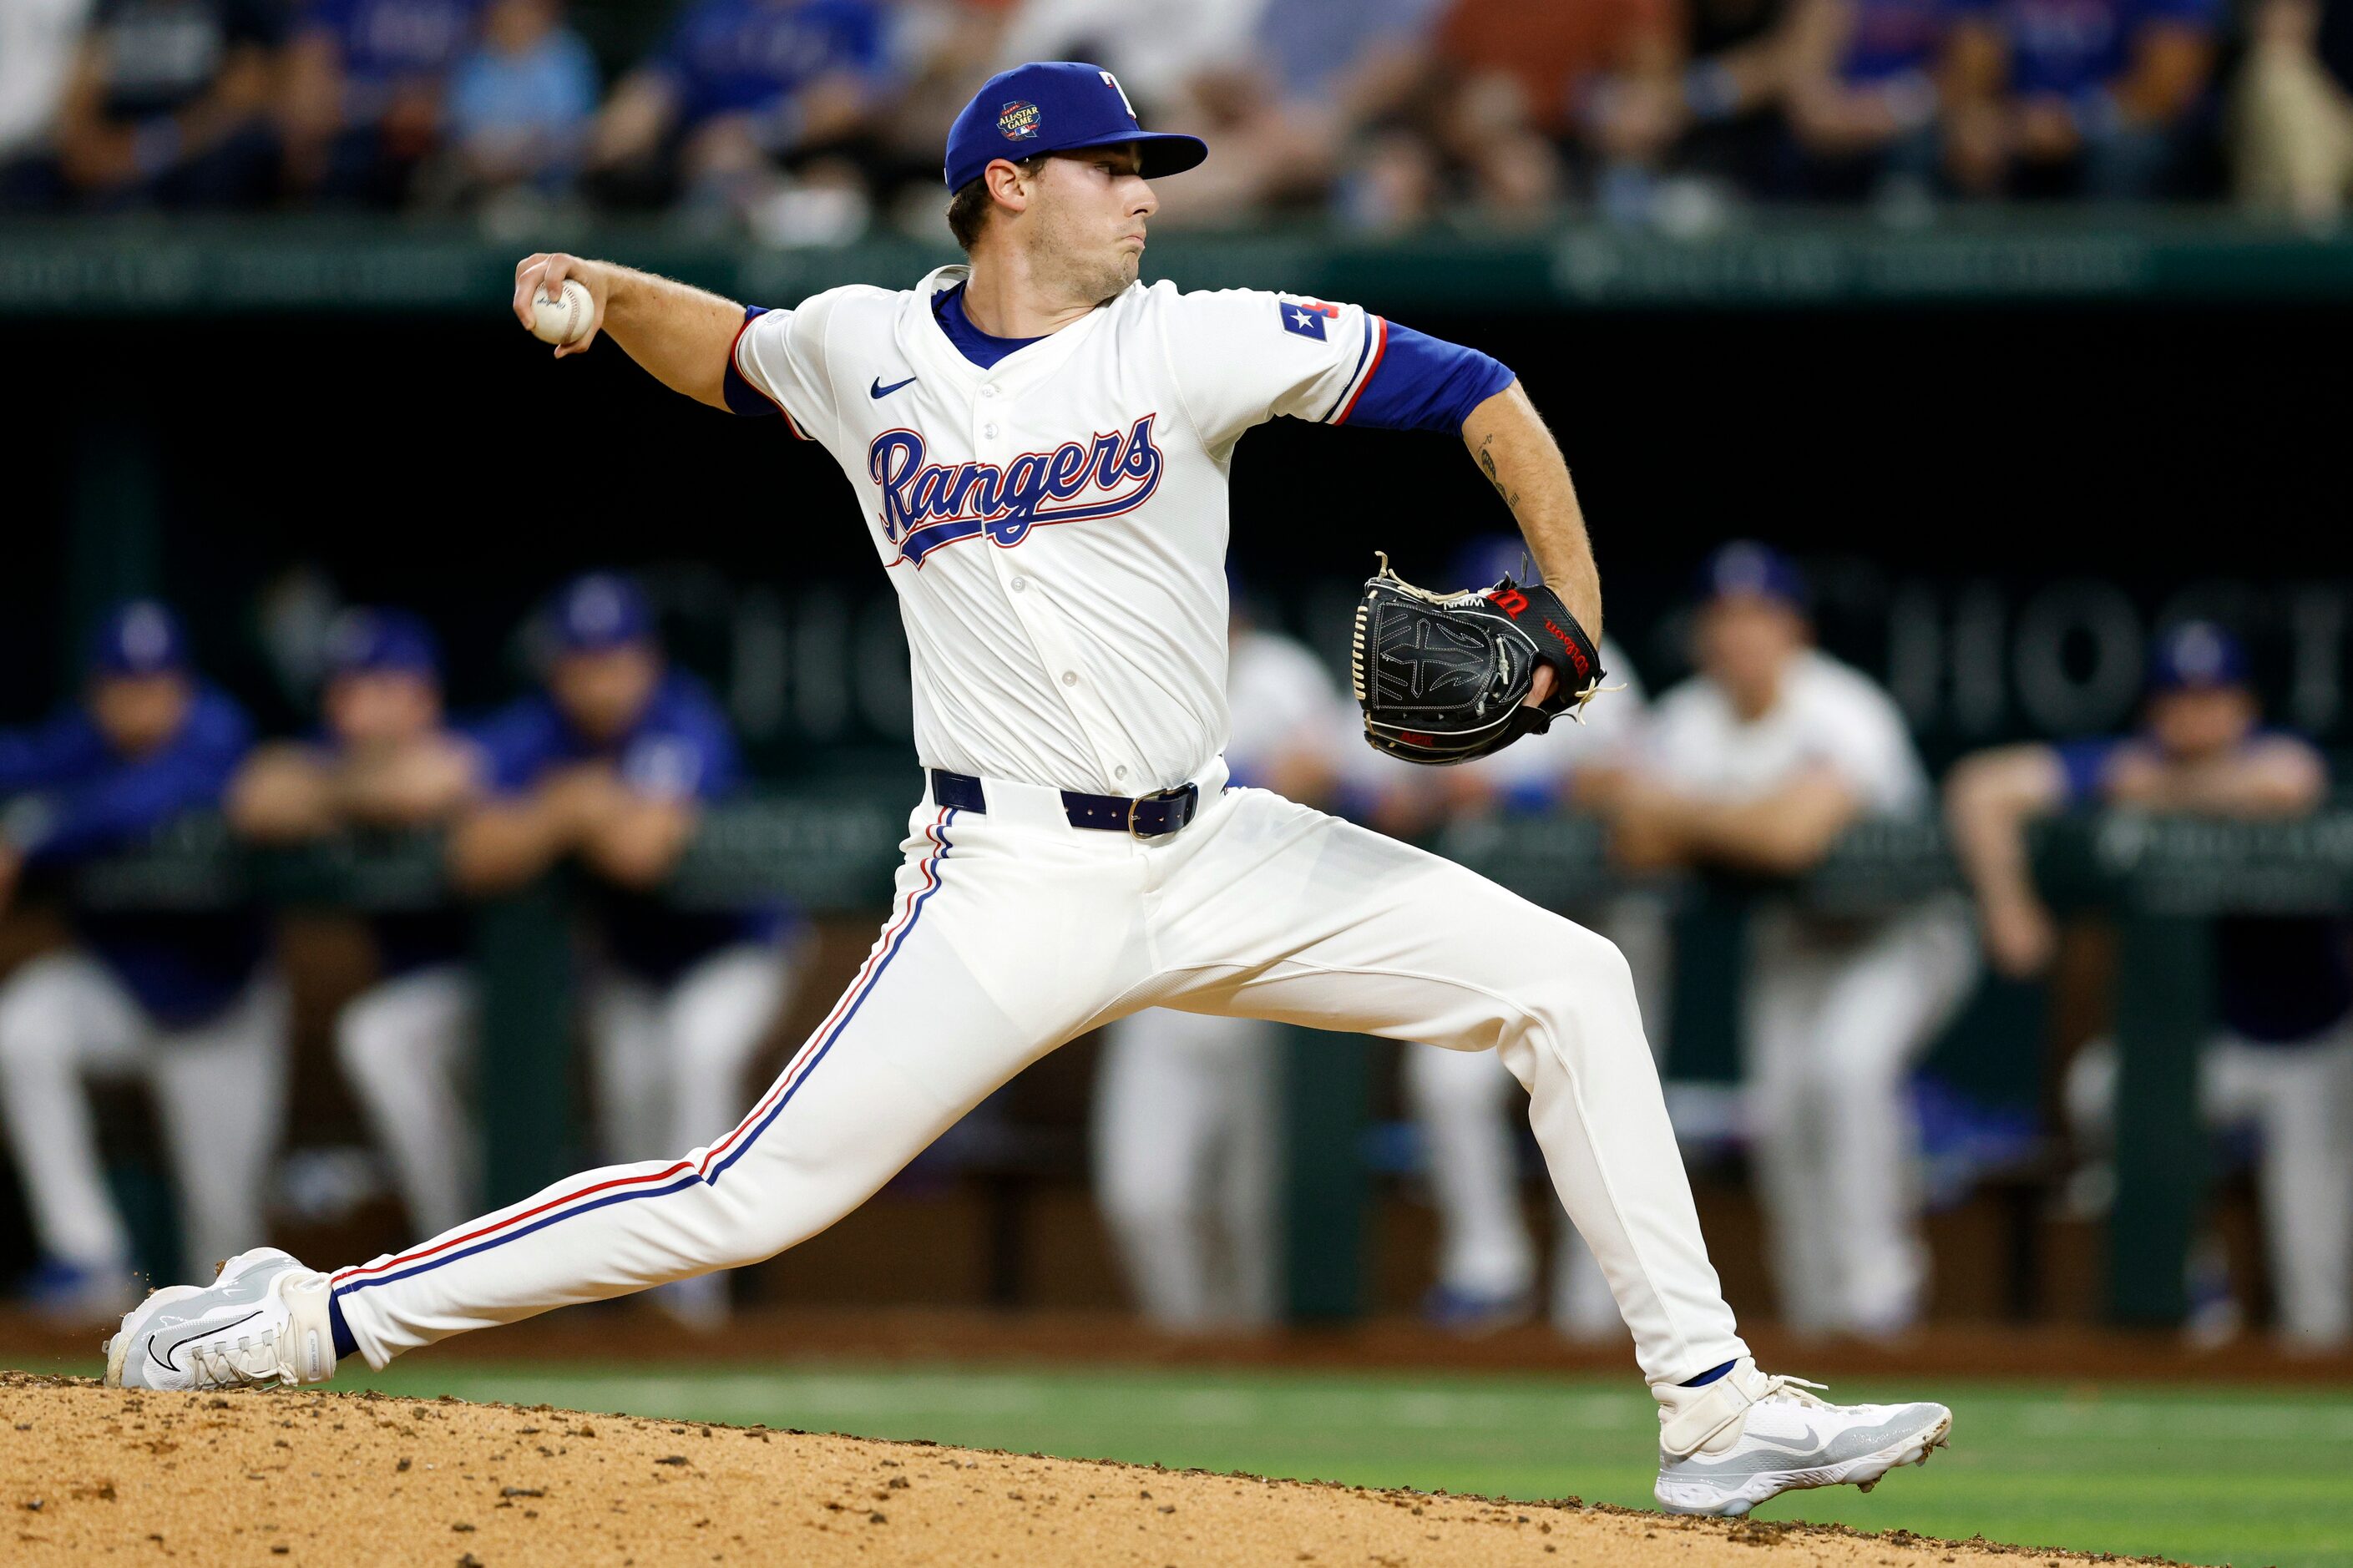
<point>1145,816</point>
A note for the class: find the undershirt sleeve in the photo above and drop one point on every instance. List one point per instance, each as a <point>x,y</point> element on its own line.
<point>1425,383</point>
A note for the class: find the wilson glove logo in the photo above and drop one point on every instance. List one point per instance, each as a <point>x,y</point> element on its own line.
<point>927,505</point>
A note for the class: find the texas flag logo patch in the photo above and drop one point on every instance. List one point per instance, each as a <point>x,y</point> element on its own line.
<point>1306,317</point>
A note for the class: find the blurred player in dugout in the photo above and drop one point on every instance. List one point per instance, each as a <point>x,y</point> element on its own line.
<point>1754,767</point>
<point>611,769</point>
<point>384,759</point>
<point>2281,1058</point>
<point>181,1000</point>
<point>1470,1113</point>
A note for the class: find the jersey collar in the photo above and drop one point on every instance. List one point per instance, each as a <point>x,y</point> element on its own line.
<point>927,345</point>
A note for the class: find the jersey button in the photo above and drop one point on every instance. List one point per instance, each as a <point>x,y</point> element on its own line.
<point>988,392</point>
<point>1019,583</point>
<point>1070,677</point>
<point>1119,773</point>
<point>989,431</point>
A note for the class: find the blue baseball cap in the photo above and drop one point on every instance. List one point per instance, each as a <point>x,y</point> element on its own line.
<point>379,642</point>
<point>2197,656</point>
<point>1748,570</point>
<point>139,637</point>
<point>601,610</point>
<point>1057,106</point>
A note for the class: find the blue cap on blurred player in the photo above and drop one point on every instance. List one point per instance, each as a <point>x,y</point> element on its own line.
<point>2196,656</point>
<point>599,611</point>
<point>1057,106</point>
<point>378,642</point>
<point>1745,569</point>
<point>141,637</point>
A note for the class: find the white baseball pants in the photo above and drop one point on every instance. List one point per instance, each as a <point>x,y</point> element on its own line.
<point>666,1060</point>
<point>1012,932</point>
<point>219,1089</point>
<point>1187,1150</point>
<point>1836,1020</point>
<point>2299,1098</point>
<point>1467,1105</point>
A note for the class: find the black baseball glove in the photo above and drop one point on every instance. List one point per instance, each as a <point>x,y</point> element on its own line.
<point>1444,677</point>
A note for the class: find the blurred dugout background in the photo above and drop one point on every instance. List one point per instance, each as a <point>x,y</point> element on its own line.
<point>2006,323</point>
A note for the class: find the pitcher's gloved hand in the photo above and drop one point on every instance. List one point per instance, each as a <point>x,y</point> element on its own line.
<point>1444,677</point>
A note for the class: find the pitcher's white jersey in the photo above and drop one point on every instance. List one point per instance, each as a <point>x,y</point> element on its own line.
<point>1056,524</point>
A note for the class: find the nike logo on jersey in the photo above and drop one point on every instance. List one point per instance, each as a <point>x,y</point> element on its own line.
<point>878,390</point>
<point>927,505</point>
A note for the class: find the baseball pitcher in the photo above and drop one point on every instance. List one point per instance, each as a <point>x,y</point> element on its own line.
<point>1039,443</point>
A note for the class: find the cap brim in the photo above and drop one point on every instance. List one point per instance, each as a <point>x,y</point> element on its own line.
<point>1161,152</point>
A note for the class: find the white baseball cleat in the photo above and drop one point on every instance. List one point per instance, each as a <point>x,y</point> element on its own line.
<point>263,1320</point>
<point>1728,1447</point>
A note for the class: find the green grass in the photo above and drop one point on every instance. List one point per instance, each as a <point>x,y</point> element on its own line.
<point>2246,1476</point>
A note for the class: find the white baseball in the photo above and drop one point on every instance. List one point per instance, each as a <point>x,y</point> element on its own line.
<point>564,320</point>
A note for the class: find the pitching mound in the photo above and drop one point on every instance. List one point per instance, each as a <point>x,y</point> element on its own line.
<point>351,1478</point>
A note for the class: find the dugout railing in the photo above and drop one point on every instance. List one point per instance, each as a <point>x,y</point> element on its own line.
<point>2162,881</point>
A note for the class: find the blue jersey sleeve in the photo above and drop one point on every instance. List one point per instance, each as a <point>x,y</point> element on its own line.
<point>121,804</point>
<point>1427,384</point>
<point>46,755</point>
<point>742,396</point>
<point>2203,15</point>
<point>685,750</point>
<point>517,744</point>
<point>2084,765</point>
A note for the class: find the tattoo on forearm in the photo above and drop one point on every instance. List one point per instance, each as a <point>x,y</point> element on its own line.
<point>1487,467</point>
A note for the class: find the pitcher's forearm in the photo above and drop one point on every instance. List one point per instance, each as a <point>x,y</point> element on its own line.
<point>1519,457</point>
<point>680,334</point>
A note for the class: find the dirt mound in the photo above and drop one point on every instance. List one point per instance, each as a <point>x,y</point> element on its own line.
<point>353,1477</point>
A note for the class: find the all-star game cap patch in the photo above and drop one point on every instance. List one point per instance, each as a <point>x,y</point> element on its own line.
<point>1019,122</point>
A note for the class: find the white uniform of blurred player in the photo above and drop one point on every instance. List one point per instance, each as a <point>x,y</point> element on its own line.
<point>1756,763</point>
<point>1188,1120</point>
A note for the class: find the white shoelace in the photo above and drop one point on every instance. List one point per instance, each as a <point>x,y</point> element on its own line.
<point>250,1360</point>
<point>1794,1390</point>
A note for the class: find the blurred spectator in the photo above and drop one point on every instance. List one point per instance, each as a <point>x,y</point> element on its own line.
<point>1322,97</point>
<point>171,104</point>
<point>2283,1057</point>
<point>611,768</point>
<point>1157,48</point>
<point>2293,147</point>
<point>754,110</point>
<point>2075,98</point>
<point>181,1001</point>
<point>364,93</point>
<point>940,52</point>
<point>38,39</point>
<point>384,761</point>
<point>1863,100</point>
<point>520,104</point>
<point>1733,90</point>
<point>1531,82</point>
<point>1757,764</point>
<point>1189,1108</point>
<point>1469,1108</point>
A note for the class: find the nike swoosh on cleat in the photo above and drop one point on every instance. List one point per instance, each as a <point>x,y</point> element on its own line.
<point>878,391</point>
<point>212,1329</point>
